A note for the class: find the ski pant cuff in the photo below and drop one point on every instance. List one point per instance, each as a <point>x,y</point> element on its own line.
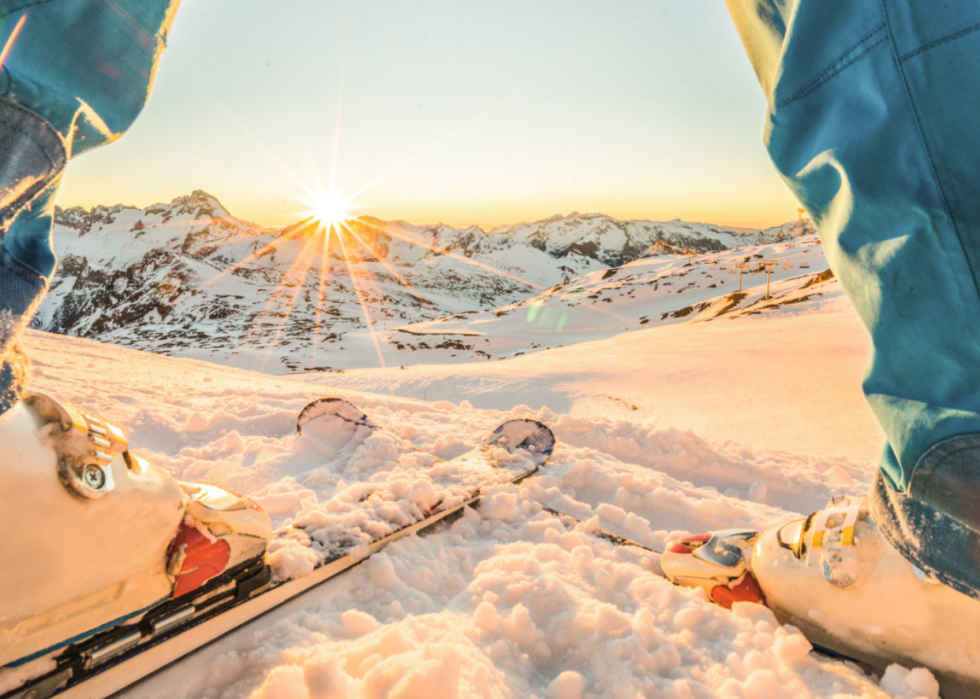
<point>21,290</point>
<point>932,539</point>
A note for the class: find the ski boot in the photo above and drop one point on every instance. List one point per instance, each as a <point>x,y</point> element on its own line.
<point>833,576</point>
<point>104,552</point>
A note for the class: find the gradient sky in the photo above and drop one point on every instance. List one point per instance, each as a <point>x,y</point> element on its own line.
<point>462,111</point>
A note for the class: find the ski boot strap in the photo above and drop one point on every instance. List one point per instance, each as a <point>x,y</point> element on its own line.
<point>85,446</point>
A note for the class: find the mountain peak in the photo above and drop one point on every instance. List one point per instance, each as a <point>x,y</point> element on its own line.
<point>201,203</point>
<point>553,219</point>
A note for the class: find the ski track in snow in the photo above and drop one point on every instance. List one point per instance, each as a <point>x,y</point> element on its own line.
<point>503,602</point>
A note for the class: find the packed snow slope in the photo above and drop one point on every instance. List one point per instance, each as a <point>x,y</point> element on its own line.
<point>781,377</point>
<point>507,601</point>
<point>189,279</point>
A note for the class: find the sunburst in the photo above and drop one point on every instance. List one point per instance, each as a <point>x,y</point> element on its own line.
<point>329,219</point>
<point>330,209</point>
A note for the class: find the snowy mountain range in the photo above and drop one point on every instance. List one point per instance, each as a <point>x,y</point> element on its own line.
<point>189,279</point>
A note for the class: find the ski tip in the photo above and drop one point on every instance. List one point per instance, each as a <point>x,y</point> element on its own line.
<point>332,407</point>
<point>532,436</point>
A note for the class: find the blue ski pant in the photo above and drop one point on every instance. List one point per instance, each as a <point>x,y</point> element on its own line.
<point>873,122</point>
<point>76,75</point>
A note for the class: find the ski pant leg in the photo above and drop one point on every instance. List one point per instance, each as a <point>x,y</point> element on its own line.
<point>77,75</point>
<point>872,122</point>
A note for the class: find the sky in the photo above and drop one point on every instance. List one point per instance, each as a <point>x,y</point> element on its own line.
<point>455,111</point>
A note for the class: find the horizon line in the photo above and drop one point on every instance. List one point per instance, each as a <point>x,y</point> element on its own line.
<point>485,226</point>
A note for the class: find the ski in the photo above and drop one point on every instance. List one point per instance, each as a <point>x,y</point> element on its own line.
<point>726,587</point>
<point>600,533</point>
<point>719,569</point>
<point>110,660</point>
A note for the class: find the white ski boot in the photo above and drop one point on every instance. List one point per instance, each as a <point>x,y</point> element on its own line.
<point>103,551</point>
<point>835,577</point>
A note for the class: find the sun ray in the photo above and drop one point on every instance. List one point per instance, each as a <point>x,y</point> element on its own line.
<point>114,228</point>
<point>544,74</point>
<point>329,213</point>
<point>257,140</point>
<point>360,299</point>
<point>189,249</point>
<point>295,274</point>
<point>12,39</point>
<point>410,237</point>
<point>391,269</point>
<point>279,290</point>
<point>299,273</point>
<point>452,134</point>
<point>306,149</point>
<point>376,286</point>
<point>340,99</point>
<point>320,296</point>
<point>281,239</point>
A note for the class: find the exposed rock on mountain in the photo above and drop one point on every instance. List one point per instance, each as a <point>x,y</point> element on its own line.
<point>613,242</point>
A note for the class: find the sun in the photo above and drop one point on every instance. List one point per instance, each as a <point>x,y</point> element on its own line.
<point>331,208</point>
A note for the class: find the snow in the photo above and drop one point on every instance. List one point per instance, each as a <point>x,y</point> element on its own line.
<point>741,422</point>
<point>786,381</point>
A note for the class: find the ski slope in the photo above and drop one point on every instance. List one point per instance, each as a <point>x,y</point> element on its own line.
<point>742,421</point>
<point>788,382</point>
